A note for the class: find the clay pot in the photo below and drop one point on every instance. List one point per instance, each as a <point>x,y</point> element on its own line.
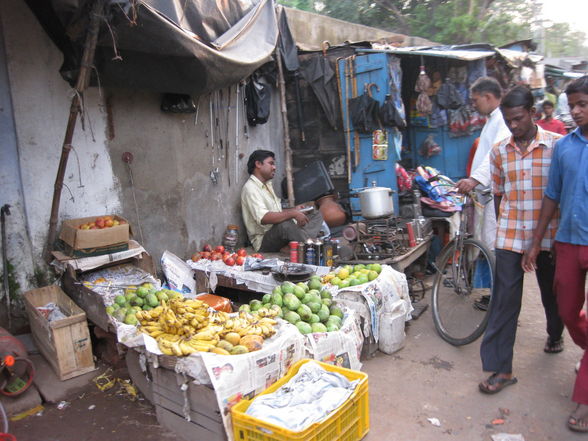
<point>332,212</point>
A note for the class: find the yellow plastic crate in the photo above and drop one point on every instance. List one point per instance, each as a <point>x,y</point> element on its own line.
<point>349,422</point>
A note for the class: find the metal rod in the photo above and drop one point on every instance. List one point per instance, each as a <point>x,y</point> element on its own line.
<point>81,85</point>
<point>288,150</point>
<point>4,211</point>
<point>237,134</point>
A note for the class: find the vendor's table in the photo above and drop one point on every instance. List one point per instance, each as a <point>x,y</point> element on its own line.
<point>401,262</point>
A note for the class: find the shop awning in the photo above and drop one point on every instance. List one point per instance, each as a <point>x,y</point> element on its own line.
<point>441,51</point>
<point>180,46</point>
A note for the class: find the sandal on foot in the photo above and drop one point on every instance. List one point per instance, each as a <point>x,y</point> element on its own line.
<point>495,384</point>
<point>553,347</point>
<point>577,422</point>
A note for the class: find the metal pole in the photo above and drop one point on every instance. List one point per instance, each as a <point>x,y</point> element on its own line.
<point>81,85</point>
<point>282,85</point>
<point>5,211</point>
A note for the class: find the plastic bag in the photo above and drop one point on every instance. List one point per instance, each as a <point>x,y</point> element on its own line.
<point>217,303</point>
<point>429,147</point>
<point>389,114</point>
<point>423,102</point>
<point>392,335</point>
<point>448,97</point>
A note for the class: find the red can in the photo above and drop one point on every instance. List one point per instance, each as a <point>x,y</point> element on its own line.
<point>411,238</point>
<point>294,251</point>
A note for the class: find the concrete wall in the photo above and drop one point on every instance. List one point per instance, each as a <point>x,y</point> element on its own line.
<point>310,30</point>
<point>178,206</point>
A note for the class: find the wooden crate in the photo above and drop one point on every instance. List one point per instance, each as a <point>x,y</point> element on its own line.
<point>172,403</point>
<point>65,343</point>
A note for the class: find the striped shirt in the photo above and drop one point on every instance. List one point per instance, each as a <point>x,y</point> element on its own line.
<point>520,177</point>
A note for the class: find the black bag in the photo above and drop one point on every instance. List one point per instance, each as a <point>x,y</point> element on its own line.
<point>389,115</point>
<point>257,101</point>
<point>364,112</point>
<point>448,97</point>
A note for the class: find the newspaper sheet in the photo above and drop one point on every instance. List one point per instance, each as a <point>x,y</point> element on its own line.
<point>376,297</point>
<point>178,274</point>
<point>237,377</point>
<point>253,280</point>
<point>341,348</point>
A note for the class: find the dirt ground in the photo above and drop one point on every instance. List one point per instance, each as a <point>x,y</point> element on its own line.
<point>427,379</point>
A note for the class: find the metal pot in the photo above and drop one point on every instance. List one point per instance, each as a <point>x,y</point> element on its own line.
<point>376,202</point>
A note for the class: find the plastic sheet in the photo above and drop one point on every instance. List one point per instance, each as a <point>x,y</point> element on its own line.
<point>309,397</point>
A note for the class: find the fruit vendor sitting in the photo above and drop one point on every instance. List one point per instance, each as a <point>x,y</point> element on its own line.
<point>270,227</point>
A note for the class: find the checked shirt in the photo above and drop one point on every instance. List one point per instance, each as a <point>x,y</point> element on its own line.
<point>520,177</point>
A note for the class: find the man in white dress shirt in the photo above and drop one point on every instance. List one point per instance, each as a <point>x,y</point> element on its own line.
<point>486,95</point>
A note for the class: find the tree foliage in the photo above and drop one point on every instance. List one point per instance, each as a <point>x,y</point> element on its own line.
<point>451,21</point>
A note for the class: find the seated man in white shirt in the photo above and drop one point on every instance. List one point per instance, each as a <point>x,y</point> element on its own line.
<point>270,227</point>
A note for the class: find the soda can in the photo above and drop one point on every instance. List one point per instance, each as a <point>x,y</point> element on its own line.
<point>294,251</point>
<point>411,237</point>
<point>301,252</point>
<point>310,255</point>
<point>319,258</point>
<point>328,253</point>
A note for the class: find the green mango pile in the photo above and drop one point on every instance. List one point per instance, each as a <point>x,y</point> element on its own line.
<point>135,299</point>
<point>307,305</point>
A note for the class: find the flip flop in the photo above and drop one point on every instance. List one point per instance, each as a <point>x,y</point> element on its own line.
<point>499,383</point>
<point>578,423</point>
<point>553,347</point>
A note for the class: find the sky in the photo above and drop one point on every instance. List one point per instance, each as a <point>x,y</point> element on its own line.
<point>574,12</point>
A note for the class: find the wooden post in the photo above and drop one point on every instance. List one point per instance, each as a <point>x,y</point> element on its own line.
<point>76,102</point>
<point>288,150</point>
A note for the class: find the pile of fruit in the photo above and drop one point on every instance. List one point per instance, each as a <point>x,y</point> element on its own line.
<point>307,305</point>
<point>184,326</point>
<point>135,299</point>
<point>220,253</point>
<point>102,222</point>
<point>349,275</point>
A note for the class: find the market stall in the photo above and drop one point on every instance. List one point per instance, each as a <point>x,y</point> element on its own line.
<point>180,349</point>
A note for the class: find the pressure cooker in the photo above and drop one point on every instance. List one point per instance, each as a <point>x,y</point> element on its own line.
<point>376,202</point>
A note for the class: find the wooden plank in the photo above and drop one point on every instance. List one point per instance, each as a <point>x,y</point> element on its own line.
<point>200,398</point>
<point>195,417</point>
<point>186,430</point>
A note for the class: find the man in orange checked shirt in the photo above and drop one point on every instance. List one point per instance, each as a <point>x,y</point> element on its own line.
<point>520,168</point>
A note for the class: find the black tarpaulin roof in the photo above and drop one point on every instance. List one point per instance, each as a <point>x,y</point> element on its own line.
<point>181,46</point>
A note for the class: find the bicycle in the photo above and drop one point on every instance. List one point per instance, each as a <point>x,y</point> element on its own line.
<point>465,274</point>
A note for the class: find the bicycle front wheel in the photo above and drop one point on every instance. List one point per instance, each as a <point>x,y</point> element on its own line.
<point>464,280</point>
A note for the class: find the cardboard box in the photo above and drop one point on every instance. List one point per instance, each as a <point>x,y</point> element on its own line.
<point>65,343</point>
<point>84,239</point>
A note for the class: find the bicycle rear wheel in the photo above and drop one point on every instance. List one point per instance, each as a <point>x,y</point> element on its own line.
<point>464,277</point>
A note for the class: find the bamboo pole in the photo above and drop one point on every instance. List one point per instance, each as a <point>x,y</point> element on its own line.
<point>288,150</point>
<point>75,108</point>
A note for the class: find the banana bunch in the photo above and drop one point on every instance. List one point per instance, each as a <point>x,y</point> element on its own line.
<point>179,346</point>
<point>184,326</point>
<point>263,327</point>
<point>247,323</point>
